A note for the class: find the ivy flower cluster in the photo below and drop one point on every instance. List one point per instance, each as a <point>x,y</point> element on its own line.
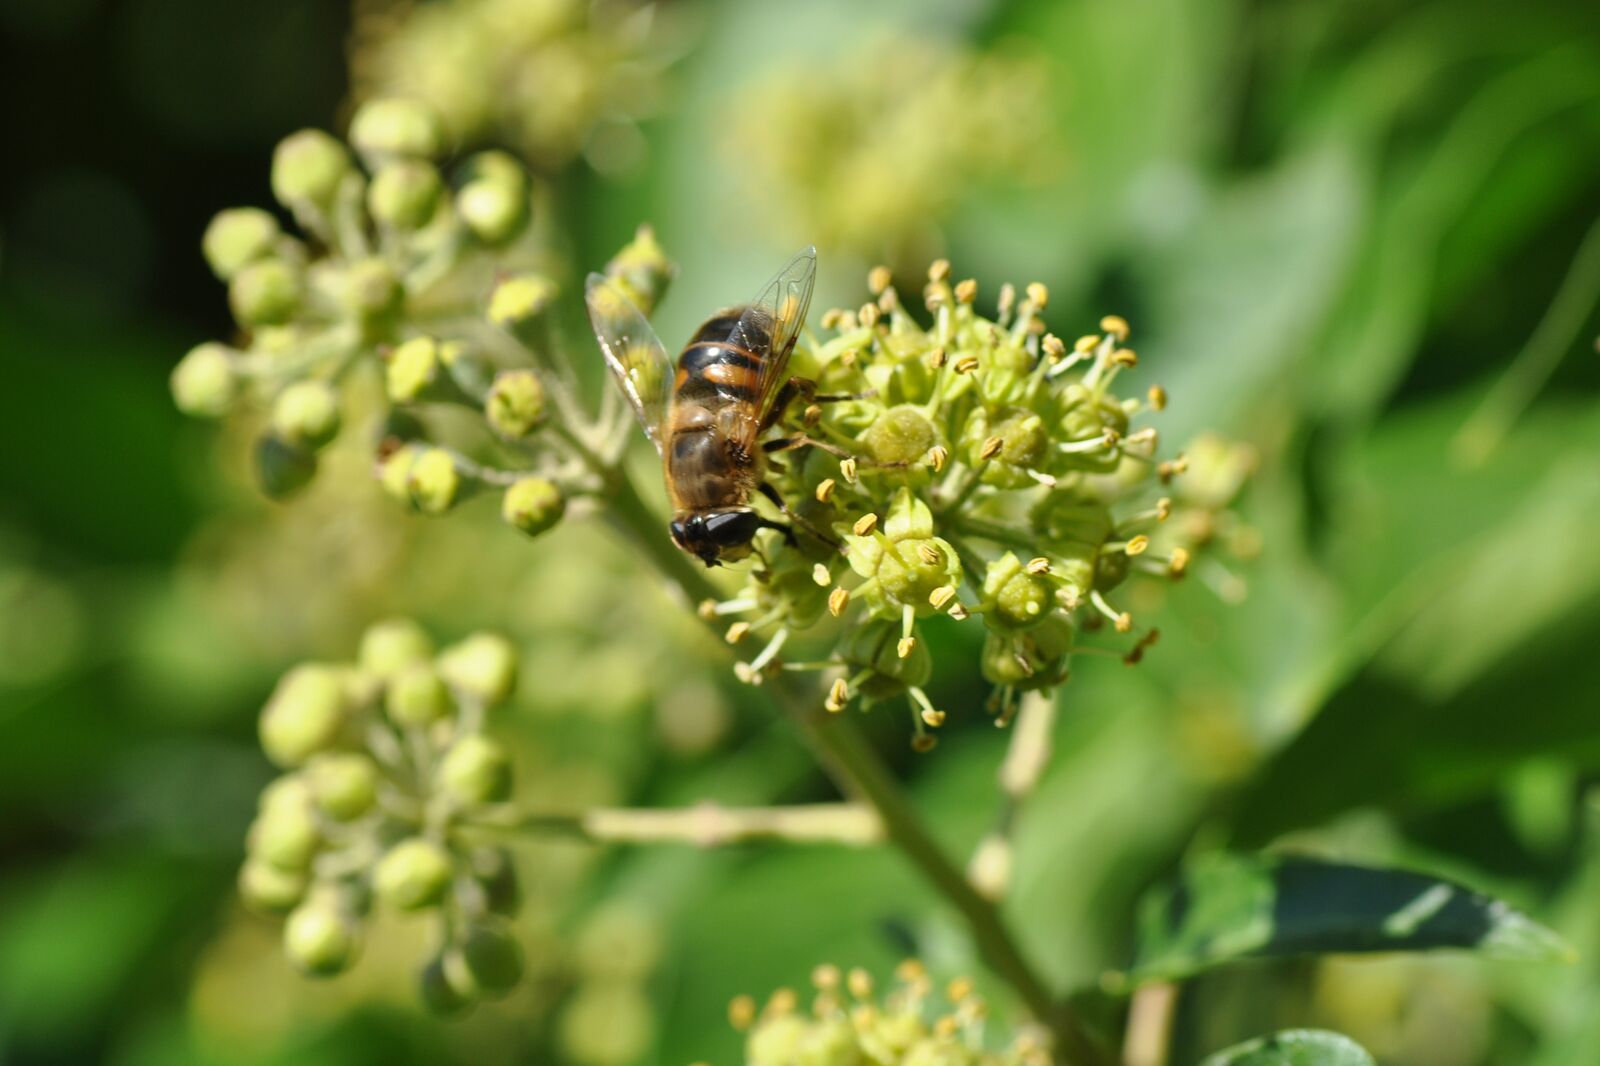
<point>387,765</point>
<point>991,471</point>
<point>850,1023</point>
<point>387,240</point>
<point>552,78</point>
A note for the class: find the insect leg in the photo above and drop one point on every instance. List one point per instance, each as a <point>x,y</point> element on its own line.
<point>771,493</point>
<point>789,444</point>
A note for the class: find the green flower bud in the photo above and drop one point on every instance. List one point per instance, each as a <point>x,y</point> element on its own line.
<point>282,468</point>
<point>1024,445</point>
<point>1019,599</point>
<point>483,665</point>
<point>270,889</point>
<point>1035,659</point>
<point>320,937</point>
<point>520,299</point>
<point>907,562</point>
<point>373,294</point>
<point>1076,531</point>
<point>345,784</point>
<point>385,128</point>
<point>642,270</point>
<point>1086,416</point>
<point>438,995</point>
<point>493,201</point>
<point>433,482</point>
<point>901,434</point>
<point>306,414</point>
<point>416,372</point>
<point>418,696</point>
<point>286,835</point>
<point>405,193</point>
<point>238,236</point>
<point>875,647</point>
<point>775,1041</point>
<point>305,714</point>
<point>205,383</point>
<point>486,962</point>
<point>516,403</point>
<point>394,471</point>
<point>308,167</point>
<point>389,646</point>
<point>476,771</point>
<point>413,874</point>
<point>264,293</point>
<point>495,871</point>
<point>533,505</point>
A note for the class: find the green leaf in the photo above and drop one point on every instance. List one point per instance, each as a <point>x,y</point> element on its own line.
<point>1294,1047</point>
<point>1233,907</point>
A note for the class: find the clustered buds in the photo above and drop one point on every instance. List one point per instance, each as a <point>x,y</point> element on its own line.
<point>990,471</point>
<point>385,237</point>
<point>386,767</point>
<point>910,1024</point>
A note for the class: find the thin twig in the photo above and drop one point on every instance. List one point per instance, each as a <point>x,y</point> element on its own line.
<point>710,825</point>
<point>1149,1035</point>
<point>1026,758</point>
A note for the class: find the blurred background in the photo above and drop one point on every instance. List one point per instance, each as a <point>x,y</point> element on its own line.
<point>1355,236</point>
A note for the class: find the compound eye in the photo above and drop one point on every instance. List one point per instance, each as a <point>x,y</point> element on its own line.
<point>678,532</point>
<point>731,528</point>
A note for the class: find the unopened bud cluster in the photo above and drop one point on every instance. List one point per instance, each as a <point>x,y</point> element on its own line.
<point>849,1023</point>
<point>992,474</point>
<point>386,765</point>
<point>387,234</point>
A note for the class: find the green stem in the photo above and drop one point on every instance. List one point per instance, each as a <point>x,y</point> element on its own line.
<point>861,774</point>
<point>708,824</point>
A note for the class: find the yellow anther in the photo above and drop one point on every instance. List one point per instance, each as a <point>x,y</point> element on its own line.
<point>869,314</point>
<point>910,970</point>
<point>1038,565</point>
<point>905,647</point>
<point>847,470</point>
<point>1086,343</point>
<point>878,279</point>
<point>831,317</point>
<point>946,1027</point>
<point>924,743</point>
<point>860,983</point>
<point>812,414</point>
<point>838,696</point>
<point>958,612</point>
<point>1179,563</point>
<point>959,989</point>
<point>1125,357</point>
<point>825,977</point>
<point>1115,325</point>
<point>1054,347</point>
<point>938,455</point>
<point>707,609</point>
<point>1137,545</point>
<point>933,717</point>
<point>741,1012</point>
<point>820,574</point>
<point>966,364</point>
<point>966,290</point>
<point>1157,397</point>
<point>941,596</point>
<point>939,270</point>
<point>1163,509</point>
<point>783,1002</point>
<point>1039,295</point>
<point>1124,622</point>
<point>737,632</point>
<point>825,490</point>
<point>937,359</point>
<point>838,600</point>
<point>865,524</point>
<point>930,554</point>
<point>991,448</point>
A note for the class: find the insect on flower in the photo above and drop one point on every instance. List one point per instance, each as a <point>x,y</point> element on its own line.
<point>706,416</point>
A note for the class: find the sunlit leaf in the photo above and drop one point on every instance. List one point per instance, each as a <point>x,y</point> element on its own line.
<point>1294,1047</point>
<point>1229,908</point>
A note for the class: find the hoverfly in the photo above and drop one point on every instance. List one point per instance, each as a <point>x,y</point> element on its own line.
<point>706,415</point>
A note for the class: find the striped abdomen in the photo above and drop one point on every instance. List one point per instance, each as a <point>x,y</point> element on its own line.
<point>715,370</point>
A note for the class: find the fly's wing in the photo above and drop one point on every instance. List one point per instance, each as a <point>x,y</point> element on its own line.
<point>637,360</point>
<point>772,321</point>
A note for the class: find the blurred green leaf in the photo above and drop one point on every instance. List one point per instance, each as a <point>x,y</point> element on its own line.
<point>1294,1047</point>
<point>1231,907</point>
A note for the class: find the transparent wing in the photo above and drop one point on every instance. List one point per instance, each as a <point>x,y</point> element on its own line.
<point>634,353</point>
<point>772,321</point>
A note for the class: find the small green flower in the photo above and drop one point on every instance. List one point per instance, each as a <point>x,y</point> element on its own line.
<point>344,784</point>
<point>238,237</point>
<point>390,646</point>
<point>321,937</point>
<point>476,771</point>
<point>516,404</point>
<point>305,715</point>
<point>418,696</point>
<point>308,168</point>
<point>438,995</point>
<point>405,193</point>
<point>484,665</point>
<point>494,209</point>
<point>270,889</point>
<point>306,415</point>
<point>533,505</point>
<point>265,292</point>
<point>486,962</point>
<point>434,482</point>
<point>205,383</point>
<point>391,128</point>
<point>285,834</point>
<point>413,875</point>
